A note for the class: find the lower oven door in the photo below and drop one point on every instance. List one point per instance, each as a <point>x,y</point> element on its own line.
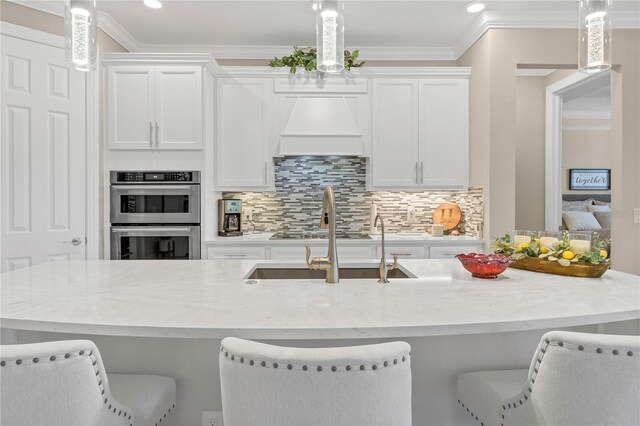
<point>155,242</point>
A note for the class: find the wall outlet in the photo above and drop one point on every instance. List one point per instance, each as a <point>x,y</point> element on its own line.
<point>636,215</point>
<point>411,213</point>
<point>212,418</point>
<point>248,213</point>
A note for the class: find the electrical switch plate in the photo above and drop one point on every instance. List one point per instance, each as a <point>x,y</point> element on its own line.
<point>411,213</point>
<point>212,418</point>
<point>248,213</point>
<point>636,215</point>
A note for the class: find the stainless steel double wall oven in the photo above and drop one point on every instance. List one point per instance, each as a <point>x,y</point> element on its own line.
<point>155,215</point>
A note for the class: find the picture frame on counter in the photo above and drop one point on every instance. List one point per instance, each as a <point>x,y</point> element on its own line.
<point>590,179</point>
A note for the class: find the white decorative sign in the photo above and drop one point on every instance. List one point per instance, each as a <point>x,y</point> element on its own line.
<point>590,179</point>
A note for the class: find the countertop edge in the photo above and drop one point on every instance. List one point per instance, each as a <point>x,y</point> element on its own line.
<point>317,333</point>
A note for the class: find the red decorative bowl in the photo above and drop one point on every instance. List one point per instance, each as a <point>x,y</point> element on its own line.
<point>484,265</point>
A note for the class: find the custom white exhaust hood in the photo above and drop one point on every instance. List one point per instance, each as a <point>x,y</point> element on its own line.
<point>322,121</point>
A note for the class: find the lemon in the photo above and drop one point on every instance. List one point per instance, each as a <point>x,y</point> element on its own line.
<point>537,240</point>
<point>544,250</point>
<point>568,254</point>
<point>603,253</point>
<point>522,246</point>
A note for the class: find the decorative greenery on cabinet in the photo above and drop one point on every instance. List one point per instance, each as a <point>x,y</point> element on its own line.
<point>306,58</point>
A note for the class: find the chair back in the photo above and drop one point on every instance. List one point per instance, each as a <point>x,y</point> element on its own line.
<point>56,383</point>
<point>358,385</point>
<point>580,379</point>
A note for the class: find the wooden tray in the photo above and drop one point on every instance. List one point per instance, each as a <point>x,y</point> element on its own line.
<point>447,214</point>
<point>583,270</point>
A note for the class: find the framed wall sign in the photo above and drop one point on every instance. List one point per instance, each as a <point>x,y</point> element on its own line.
<point>590,179</point>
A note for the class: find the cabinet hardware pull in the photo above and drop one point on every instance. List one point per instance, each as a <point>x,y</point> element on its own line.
<point>150,135</point>
<point>157,131</point>
<point>416,170</point>
<point>421,172</point>
<point>235,255</point>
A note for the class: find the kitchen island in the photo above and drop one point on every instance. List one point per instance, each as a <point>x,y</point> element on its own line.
<point>135,310</point>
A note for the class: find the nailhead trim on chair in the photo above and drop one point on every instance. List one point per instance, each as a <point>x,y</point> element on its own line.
<point>319,368</point>
<point>53,358</point>
<point>471,413</point>
<point>524,394</point>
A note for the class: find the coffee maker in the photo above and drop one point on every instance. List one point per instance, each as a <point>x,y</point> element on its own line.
<point>229,218</point>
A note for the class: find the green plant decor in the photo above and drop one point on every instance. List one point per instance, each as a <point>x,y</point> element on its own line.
<point>306,58</point>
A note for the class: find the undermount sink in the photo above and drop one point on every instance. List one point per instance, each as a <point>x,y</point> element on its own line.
<point>274,273</point>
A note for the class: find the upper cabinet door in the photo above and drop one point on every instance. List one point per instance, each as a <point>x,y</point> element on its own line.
<point>394,159</point>
<point>244,118</point>
<point>131,104</point>
<point>178,121</point>
<point>444,133</point>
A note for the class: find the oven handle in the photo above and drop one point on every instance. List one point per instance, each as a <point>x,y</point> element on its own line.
<point>149,229</point>
<point>136,187</point>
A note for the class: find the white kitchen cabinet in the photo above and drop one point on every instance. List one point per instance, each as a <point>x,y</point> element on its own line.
<point>420,133</point>
<point>395,149</point>
<point>444,133</point>
<point>231,252</point>
<point>131,107</point>
<point>450,251</point>
<point>413,252</point>
<point>297,252</point>
<point>244,119</point>
<point>154,107</point>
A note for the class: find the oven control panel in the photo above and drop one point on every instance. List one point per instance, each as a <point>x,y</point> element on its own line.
<point>155,176</point>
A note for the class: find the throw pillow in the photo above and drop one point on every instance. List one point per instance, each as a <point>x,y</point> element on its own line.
<point>580,221</point>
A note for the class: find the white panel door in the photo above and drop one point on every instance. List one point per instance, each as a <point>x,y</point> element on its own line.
<point>178,91</point>
<point>244,118</point>
<point>43,156</point>
<point>444,133</point>
<point>394,162</point>
<point>131,107</point>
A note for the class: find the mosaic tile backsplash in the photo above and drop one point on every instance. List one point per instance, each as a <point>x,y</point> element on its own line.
<point>293,210</point>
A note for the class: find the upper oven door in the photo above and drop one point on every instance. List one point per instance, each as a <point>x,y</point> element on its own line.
<point>155,204</point>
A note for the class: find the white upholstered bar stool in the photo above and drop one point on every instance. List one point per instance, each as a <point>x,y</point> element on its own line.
<point>64,383</point>
<point>273,385</point>
<point>574,379</point>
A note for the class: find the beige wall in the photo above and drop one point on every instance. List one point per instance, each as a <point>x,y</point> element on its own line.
<point>530,140</point>
<point>495,58</point>
<point>581,149</point>
<point>45,22</point>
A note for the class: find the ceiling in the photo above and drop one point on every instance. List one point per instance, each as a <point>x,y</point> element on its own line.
<point>383,29</point>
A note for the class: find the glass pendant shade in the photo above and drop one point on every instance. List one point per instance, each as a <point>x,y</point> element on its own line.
<point>330,36</point>
<point>594,43</point>
<point>80,24</point>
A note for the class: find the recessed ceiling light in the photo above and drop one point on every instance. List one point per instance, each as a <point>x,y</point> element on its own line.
<point>475,7</point>
<point>153,4</point>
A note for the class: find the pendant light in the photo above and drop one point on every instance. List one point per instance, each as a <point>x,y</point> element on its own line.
<point>80,22</point>
<point>594,43</point>
<point>330,35</point>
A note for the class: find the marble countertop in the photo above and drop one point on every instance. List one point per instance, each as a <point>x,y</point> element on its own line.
<point>210,299</point>
<point>263,238</point>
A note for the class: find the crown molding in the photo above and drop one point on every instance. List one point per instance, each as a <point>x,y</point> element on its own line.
<point>206,60</point>
<point>534,72</point>
<point>105,22</point>
<point>531,20</point>
<point>267,72</point>
<point>367,53</point>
